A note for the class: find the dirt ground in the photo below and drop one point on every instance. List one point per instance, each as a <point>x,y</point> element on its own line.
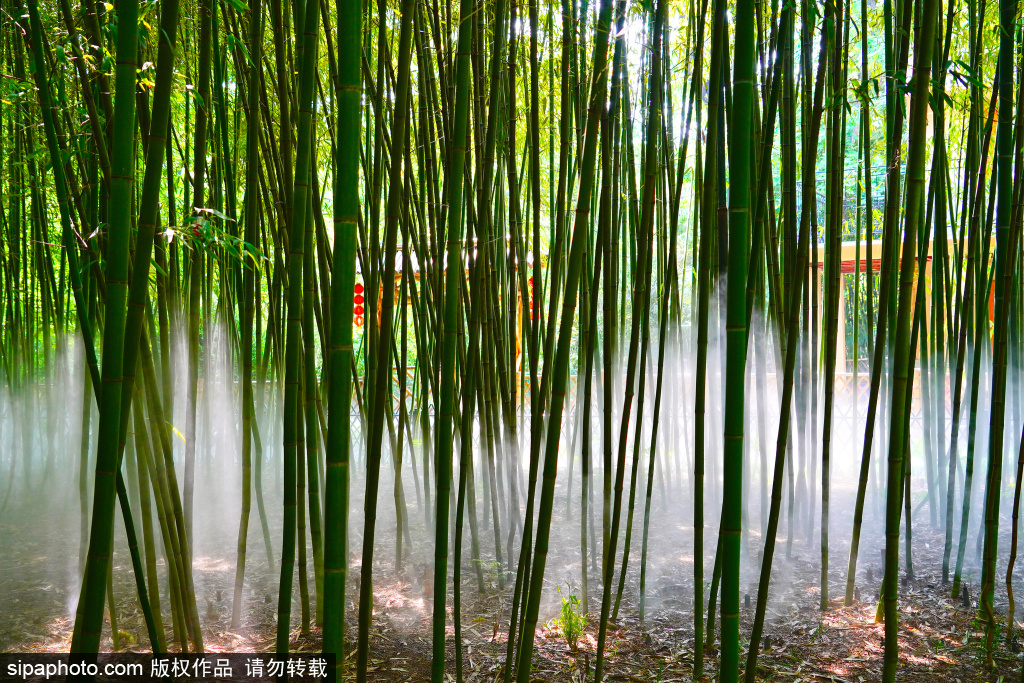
<point>940,638</point>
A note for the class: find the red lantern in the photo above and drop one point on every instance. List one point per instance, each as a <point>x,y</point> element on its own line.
<point>357,309</point>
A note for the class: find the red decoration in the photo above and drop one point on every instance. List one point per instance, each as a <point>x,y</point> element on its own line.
<point>530,302</point>
<point>357,309</point>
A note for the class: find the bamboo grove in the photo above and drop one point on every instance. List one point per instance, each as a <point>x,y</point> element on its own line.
<point>538,269</point>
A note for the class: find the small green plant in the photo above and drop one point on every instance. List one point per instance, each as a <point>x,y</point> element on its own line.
<point>493,572</point>
<point>818,631</point>
<point>571,621</point>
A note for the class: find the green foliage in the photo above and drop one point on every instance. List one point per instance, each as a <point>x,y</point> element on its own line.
<point>493,571</point>
<point>571,621</point>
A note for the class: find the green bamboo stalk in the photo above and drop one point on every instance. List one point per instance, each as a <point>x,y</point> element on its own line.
<point>561,360</point>
<point>338,441</point>
<point>902,363</point>
<point>708,199</point>
<point>309,388</point>
<point>142,449</point>
<point>453,191</point>
<point>834,213</point>
<point>1007,238</point>
<point>198,255</point>
<point>976,285</point>
<point>736,334</point>
<point>89,620</point>
<point>249,256</point>
<point>879,347</point>
<point>296,250</point>
<point>641,288</point>
<point>792,344</point>
<point>380,362</point>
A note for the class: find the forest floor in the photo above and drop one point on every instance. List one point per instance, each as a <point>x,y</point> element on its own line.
<point>940,638</point>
